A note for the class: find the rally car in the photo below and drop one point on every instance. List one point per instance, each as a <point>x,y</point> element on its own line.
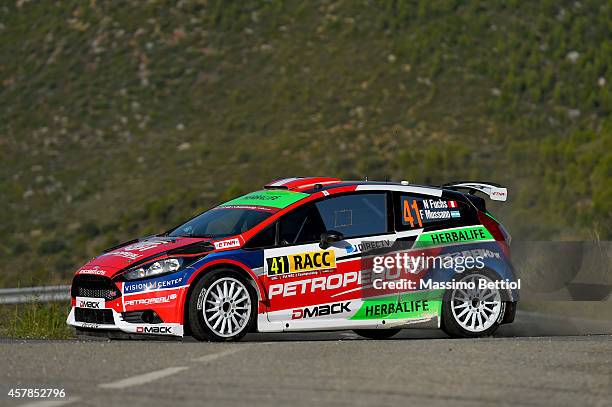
<point>307,254</point>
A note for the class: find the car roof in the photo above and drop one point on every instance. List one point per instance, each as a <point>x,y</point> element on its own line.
<point>312,185</point>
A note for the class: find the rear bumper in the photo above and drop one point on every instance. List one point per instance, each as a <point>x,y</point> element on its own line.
<point>118,324</point>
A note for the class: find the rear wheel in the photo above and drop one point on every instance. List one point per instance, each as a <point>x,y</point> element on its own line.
<point>470,313</point>
<point>222,307</point>
<point>376,333</point>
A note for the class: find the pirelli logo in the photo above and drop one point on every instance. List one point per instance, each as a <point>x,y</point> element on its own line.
<point>300,262</point>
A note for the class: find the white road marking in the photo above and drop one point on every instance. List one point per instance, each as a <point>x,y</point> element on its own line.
<point>160,374</point>
<point>51,403</point>
<point>143,378</point>
<point>213,356</point>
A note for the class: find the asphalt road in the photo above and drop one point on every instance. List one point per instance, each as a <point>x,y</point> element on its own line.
<point>415,368</point>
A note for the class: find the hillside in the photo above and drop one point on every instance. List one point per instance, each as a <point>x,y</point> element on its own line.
<point>120,120</point>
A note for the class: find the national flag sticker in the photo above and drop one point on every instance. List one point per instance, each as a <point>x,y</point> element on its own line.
<point>452,204</point>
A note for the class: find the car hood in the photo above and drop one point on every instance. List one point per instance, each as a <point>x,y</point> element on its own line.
<point>133,252</point>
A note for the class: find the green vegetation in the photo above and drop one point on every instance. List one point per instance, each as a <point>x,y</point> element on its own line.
<point>120,119</point>
<point>41,321</point>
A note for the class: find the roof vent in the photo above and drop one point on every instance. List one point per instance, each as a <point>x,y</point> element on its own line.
<point>299,183</point>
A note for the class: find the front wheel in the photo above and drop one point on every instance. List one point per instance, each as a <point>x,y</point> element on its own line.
<point>473,312</point>
<point>222,307</point>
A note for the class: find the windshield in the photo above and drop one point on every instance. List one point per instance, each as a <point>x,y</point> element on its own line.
<point>221,222</point>
<point>238,215</point>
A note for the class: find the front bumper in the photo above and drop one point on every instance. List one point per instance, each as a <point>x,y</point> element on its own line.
<point>118,324</point>
<point>144,307</point>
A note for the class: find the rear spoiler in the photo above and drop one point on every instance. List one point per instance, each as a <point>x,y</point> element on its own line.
<point>494,191</point>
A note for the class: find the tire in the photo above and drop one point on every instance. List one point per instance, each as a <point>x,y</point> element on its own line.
<point>222,307</point>
<point>465,314</point>
<point>377,333</point>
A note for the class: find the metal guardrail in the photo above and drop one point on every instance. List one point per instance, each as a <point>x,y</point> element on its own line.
<point>34,294</point>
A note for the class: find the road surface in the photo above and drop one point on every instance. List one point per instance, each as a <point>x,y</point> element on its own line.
<point>415,368</point>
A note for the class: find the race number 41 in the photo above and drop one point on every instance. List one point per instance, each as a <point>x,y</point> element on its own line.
<point>411,213</point>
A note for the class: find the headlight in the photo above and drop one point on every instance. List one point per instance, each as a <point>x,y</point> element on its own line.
<point>154,269</point>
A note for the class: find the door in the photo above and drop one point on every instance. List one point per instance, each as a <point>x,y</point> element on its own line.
<point>314,286</point>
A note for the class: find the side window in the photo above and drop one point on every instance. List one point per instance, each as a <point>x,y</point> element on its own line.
<point>355,215</point>
<point>265,238</point>
<point>303,225</point>
<point>415,212</point>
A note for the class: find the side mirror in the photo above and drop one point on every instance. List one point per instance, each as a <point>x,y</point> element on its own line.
<point>328,237</point>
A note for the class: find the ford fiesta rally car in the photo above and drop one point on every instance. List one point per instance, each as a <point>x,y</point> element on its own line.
<point>310,254</point>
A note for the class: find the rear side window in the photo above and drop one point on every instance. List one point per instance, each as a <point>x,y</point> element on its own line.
<point>415,212</point>
<point>355,215</point>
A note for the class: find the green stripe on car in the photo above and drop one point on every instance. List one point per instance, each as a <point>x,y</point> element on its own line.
<point>273,198</point>
<point>418,304</point>
<point>453,236</point>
